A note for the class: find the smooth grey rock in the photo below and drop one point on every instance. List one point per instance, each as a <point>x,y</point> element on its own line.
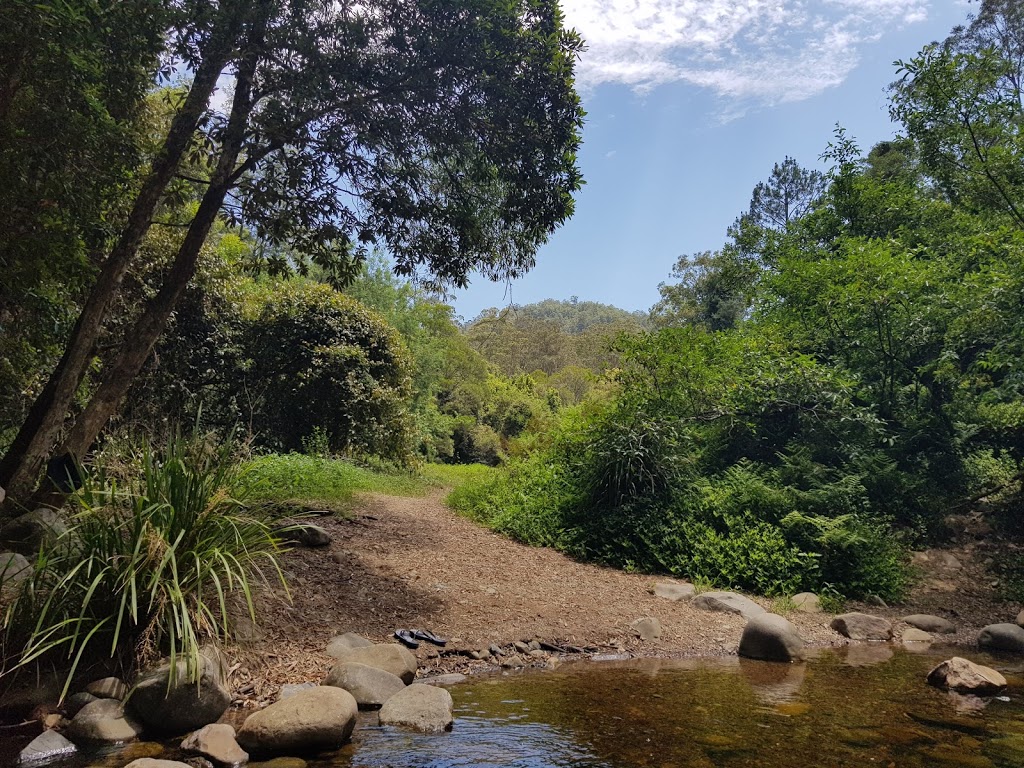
<point>184,705</point>
<point>728,602</point>
<point>928,623</point>
<point>673,590</point>
<point>14,568</point>
<point>915,635</point>
<point>1002,637</point>
<point>422,707</point>
<point>47,746</point>
<point>27,533</point>
<point>75,702</point>
<point>104,720</point>
<point>876,601</point>
<point>807,602</point>
<point>318,719</point>
<point>647,628</point>
<point>216,742</point>
<point>290,689</point>
<point>862,626</point>
<point>346,642</point>
<point>305,535</point>
<point>152,762</point>
<point>390,657</point>
<point>370,686</point>
<point>957,674</point>
<point>772,638</point>
<point>107,688</point>
<point>451,679</point>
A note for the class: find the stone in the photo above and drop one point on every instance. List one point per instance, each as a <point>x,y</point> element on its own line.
<point>321,718</point>
<point>390,657</point>
<point>281,762</point>
<point>934,624</point>
<point>305,535</point>
<point>1020,619</point>
<point>957,674</point>
<point>75,702</point>
<point>26,533</point>
<point>370,686</point>
<point>673,590</point>
<point>14,568</point>
<point>862,626</point>
<point>771,638</point>
<point>216,742</point>
<point>647,628</point>
<point>867,654</point>
<point>1002,637</point>
<point>182,706</point>
<point>876,601</point>
<point>915,635</point>
<point>729,602</point>
<point>452,679</point>
<point>47,746</point>
<point>524,648</point>
<point>346,642</point>
<point>107,688</point>
<point>290,689</point>
<point>104,720</point>
<point>151,762</point>
<point>422,707</point>
<point>807,602</point>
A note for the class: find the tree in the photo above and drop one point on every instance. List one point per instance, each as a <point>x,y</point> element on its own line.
<point>787,195</point>
<point>445,132</point>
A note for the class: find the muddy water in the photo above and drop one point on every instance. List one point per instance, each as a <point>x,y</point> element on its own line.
<point>866,707</point>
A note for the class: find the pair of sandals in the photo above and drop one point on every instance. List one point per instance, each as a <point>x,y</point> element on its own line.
<point>411,637</point>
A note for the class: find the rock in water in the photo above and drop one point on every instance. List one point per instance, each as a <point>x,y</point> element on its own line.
<point>1002,637</point>
<point>927,623</point>
<point>318,719</point>
<point>104,720</point>
<point>647,629</point>
<point>184,705</point>
<point>151,762</point>
<point>862,626</point>
<point>370,686</point>
<point>217,742</point>
<point>422,707</point>
<point>390,657</point>
<point>49,745</point>
<point>957,674</point>
<point>729,602</point>
<point>771,638</point>
<point>915,635</point>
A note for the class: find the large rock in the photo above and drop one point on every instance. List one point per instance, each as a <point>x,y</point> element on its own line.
<point>1002,637</point>
<point>107,688</point>
<point>1020,619</point>
<point>216,742</point>
<point>673,590</point>
<point>959,674</point>
<point>47,746</point>
<point>728,602</point>
<point>771,638</point>
<point>423,707</point>
<point>182,705</point>
<point>390,657</point>
<point>346,642</point>
<point>915,635</point>
<point>74,703</point>
<point>310,721</point>
<point>370,686</point>
<point>27,533</point>
<point>647,628</point>
<point>928,623</point>
<point>104,720</point>
<point>862,626</point>
<point>14,568</point>
<point>152,762</point>
<point>807,602</point>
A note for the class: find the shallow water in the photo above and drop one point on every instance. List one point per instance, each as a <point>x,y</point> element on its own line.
<point>867,706</point>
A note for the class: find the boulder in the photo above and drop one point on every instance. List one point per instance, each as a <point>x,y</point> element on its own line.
<point>27,533</point>
<point>216,742</point>
<point>928,623</point>
<point>1002,637</point>
<point>862,626</point>
<point>319,719</point>
<point>807,602</point>
<point>390,657</point>
<point>647,629</point>
<point>346,642</point>
<point>182,705</point>
<point>771,638</point>
<point>47,746</point>
<point>290,689</point>
<point>281,762</point>
<point>74,703</point>
<point>370,686</point>
<point>104,720</point>
<point>728,602</point>
<point>957,674</point>
<point>672,590</point>
<point>152,762</point>
<point>14,568</point>
<point>915,635</point>
<point>1020,619</point>
<point>107,688</point>
<point>422,707</point>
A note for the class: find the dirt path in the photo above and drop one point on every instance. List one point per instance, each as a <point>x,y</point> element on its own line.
<point>411,562</point>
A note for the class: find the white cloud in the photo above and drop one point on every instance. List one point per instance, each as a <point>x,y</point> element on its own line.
<point>769,51</point>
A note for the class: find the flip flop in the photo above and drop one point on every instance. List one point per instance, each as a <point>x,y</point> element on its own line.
<point>430,637</point>
<point>407,638</point>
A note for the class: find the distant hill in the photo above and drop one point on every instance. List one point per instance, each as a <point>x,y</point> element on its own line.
<point>572,316</point>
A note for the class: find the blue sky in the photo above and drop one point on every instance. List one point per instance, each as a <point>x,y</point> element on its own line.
<point>690,103</point>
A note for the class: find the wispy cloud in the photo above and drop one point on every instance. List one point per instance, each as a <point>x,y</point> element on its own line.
<point>768,51</point>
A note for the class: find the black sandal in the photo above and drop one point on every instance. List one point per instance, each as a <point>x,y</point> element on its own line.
<point>430,637</point>
<point>407,638</point>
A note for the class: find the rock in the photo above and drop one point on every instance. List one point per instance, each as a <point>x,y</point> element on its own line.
<point>862,626</point>
<point>47,746</point>
<point>140,749</point>
<point>305,535</point>
<point>807,602</point>
<point>26,533</point>
<point>512,661</point>
<point>321,718</point>
<point>876,601</point>
<point>290,689</point>
<point>107,688</point>
<point>423,707</point>
<point>104,720</point>
<point>281,762</point>
<point>75,702</point>
<point>524,648</point>
<point>672,590</point>
<point>957,674</point>
<point>1020,619</point>
<point>480,654</point>
<point>771,638</point>
<point>915,635</point>
<point>150,762</point>
<point>14,568</point>
<point>216,742</point>
<point>729,602</point>
<point>370,686</point>
<point>647,628</point>
<point>183,706</point>
<point>390,657</point>
<point>346,642</point>
<point>453,679</point>
<point>1002,637</point>
<point>934,624</point>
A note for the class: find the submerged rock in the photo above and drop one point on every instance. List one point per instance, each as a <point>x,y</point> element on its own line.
<point>422,707</point>
<point>862,626</point>
<point>319,719</point>
<point>957,674</point>
<point>771,638</point>
<point>1002,637</point>
<point>728,602</point>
